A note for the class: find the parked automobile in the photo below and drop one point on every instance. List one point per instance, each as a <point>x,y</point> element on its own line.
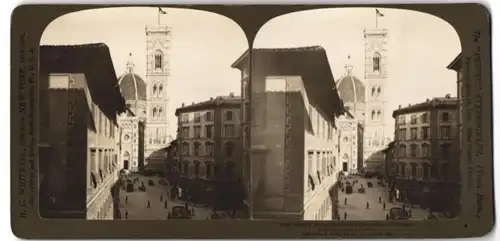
<point>397,213</point>
<point>180,212</point>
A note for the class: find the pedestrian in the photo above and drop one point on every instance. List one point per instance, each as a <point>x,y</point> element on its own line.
<point>126,214</point>
<point>404,207</point>
<point>379,199</point>
<point>165,204</point>
<point>126,199</point>
<point>168,215</point>
<point>367,205</point>
<point>186,205</point>
<point>383,206</point>
<point>387,216</point>
<point>161,198</point>
<point>409,213</point>
<point>345,201</point>
<point>149,204</point>
<point>345,216</point>
<point>192,211</point>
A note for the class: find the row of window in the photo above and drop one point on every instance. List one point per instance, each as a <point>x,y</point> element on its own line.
<point>157,112</point>
<point>227,132</point>
<point>376,91</point>
<point>206,149</point>
<point>321,127</point>
<point>376,114</point>
<point>157,90</point>
<point>103,125</point>
<point>423,171</point>
<point>325,211</point>
<point>196,169</point>
<point>102,164</point>
<point>319,164</point>
<point>424,118</point>
<point>208,116</point>
<point>424,133</point>
<point>422,150</point>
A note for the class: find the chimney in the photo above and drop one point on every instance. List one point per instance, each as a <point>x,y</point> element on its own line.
<point>182,105</point>
<point>211,98</point>
<point>447,96</point>
<point>231,94</point>
<point>399,107</point>
<point>427,100</point>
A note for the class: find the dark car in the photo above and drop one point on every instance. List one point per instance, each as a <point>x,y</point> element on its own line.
<point>180,212</point>
<point>398,214</point>
<point>151,183</point>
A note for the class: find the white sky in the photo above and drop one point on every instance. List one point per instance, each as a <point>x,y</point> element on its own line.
<point>420,46</point>
<point>204,45</point>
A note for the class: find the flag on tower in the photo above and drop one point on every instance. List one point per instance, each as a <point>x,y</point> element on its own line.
<point>379,14</point>
<point>161,11</point>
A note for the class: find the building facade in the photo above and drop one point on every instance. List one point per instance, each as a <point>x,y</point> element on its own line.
<point>209,141</point>
<point>79,104</point>
<point>427,151</point>
<point>131,141</point>
<point>376,75</point>
<point>350,143</point>
<point>291,139</point>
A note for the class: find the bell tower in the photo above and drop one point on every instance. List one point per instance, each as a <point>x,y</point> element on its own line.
<point>158,39</point>
<point>376,74</point>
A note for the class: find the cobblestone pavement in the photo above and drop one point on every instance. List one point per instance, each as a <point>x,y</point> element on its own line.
<point>136,204</point>
<point>356,203</point>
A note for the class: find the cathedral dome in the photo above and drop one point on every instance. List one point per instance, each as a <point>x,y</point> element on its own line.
<point>132,86</point>
<point>350,88</point>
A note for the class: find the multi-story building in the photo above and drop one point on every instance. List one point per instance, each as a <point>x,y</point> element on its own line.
<point>426,151</point>
<point>210,149</point>
<point>456,65</point>
<point>292,134</point>
<point>79,103</point>
<point>350,143</point>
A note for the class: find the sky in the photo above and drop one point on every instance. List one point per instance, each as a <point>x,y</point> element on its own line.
<point>420,47</point>
<point>203,47</point>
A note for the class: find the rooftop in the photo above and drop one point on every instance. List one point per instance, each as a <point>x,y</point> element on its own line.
<point>437,102</point>
<point>310,62</point>
<point>94,61</point>
<point>231,99</point>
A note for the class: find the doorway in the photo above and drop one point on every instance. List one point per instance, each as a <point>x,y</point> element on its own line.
<point>344,166</point>
<point>126,164</point>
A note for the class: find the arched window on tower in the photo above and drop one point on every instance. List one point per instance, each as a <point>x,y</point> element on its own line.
<point>154,89</point>
<point>373,114</point>
<point>378,91</point>
<point>373,91</point>
<point>378,114</point>
<point>376,62</point>
<point>154,112</point>
<point>160,112</point>
<point>160,90</point>
<point>158,60</point>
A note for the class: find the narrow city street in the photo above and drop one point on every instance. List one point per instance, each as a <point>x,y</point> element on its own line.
<point>356,202</point>
<point>137,202</point>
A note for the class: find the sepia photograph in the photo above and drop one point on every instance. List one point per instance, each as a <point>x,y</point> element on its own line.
<point>140,116</point>
<point>354,116</point>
